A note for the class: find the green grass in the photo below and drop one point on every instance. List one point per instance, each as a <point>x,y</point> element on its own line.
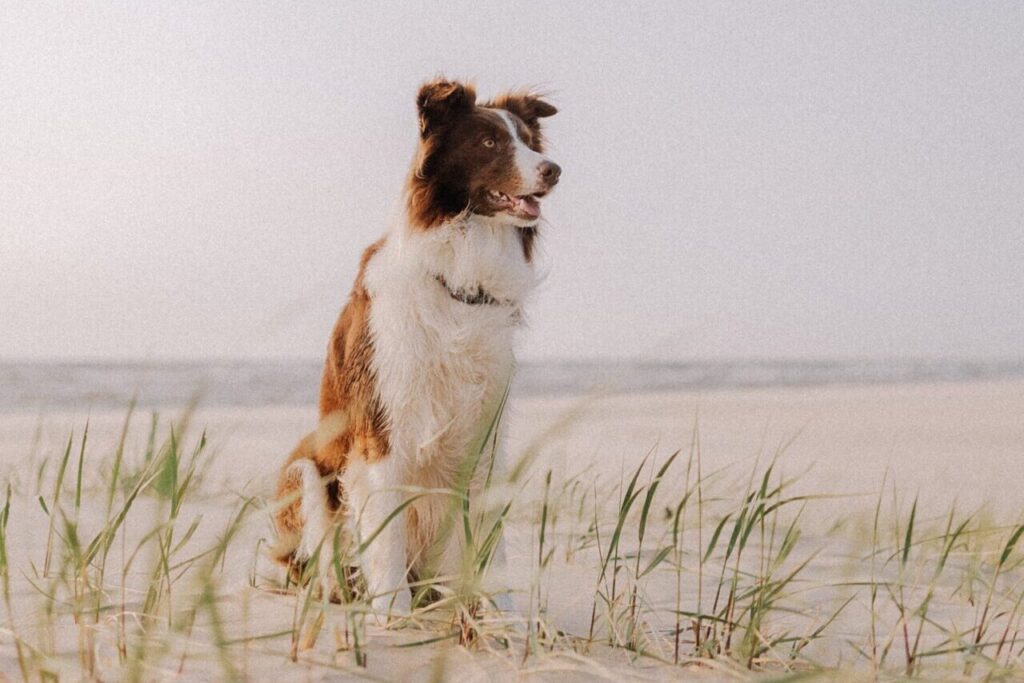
<point>131,567</point>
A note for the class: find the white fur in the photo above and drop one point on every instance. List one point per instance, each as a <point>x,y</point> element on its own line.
<point>442,367</point>
<point>374,491</point>
<point>527,161</point>
<point>313,507</point>
<point>316,519</point>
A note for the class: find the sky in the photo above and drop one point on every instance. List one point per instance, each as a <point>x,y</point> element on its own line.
<point>740,180</point>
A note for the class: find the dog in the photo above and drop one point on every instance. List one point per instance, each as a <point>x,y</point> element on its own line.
<point>420,359</point>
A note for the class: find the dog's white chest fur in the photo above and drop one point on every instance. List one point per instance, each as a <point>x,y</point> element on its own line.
<point>441,364</point>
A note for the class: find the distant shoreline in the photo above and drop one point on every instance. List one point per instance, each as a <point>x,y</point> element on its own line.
<point>32,385</point>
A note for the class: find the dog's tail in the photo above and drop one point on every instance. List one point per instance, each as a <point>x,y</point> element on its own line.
<point>304,517</point>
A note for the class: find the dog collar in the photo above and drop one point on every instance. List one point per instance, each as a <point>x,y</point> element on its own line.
<point>473,297</point>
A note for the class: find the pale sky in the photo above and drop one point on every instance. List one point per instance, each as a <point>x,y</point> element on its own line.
<point>191,180</point>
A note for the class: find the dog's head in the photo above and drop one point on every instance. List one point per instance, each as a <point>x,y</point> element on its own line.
<point>487,159</point>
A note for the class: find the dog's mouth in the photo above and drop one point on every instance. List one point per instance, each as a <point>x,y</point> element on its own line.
<point>525,206</point>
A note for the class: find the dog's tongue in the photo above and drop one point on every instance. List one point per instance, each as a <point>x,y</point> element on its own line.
<point>528,206</point>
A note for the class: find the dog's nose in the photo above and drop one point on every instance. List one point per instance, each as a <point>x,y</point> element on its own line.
<point>550,172</point>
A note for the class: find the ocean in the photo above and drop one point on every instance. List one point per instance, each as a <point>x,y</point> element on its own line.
<point>35,386</point>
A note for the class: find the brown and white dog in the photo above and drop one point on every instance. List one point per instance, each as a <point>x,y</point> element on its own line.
<point>422,354</point>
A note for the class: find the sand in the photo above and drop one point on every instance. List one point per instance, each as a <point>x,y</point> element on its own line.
<point>960,441</point>
<point>949,440</point>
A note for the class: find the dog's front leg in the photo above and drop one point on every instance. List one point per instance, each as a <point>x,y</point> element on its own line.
<point>374,497</point>
<point>452,560</point>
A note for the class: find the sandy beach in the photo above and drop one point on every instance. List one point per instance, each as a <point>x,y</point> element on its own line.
<point>962,440</point>
<point>938,442</point>
<point>947,440</point>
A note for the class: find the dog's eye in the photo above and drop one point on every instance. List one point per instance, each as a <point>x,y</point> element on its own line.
<point>488,142</point>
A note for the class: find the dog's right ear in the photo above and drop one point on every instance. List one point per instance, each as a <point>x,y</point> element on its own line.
<point>442,101</point>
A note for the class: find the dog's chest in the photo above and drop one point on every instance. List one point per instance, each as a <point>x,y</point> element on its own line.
<point>443,365</point>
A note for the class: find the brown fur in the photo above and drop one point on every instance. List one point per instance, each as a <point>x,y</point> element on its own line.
<point>527,236</point>
<point>352,420</point>
<point>348,392</point>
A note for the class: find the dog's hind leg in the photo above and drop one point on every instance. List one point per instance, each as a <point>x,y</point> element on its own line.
<point>305,514</point>
<point>287,516</point>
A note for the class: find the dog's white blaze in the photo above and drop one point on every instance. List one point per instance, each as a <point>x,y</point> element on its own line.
<point>527,161</point>
<point>441,367</point>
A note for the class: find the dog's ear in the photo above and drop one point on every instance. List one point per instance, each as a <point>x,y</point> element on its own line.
<point>527,105</point>
<point>442,101</point>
